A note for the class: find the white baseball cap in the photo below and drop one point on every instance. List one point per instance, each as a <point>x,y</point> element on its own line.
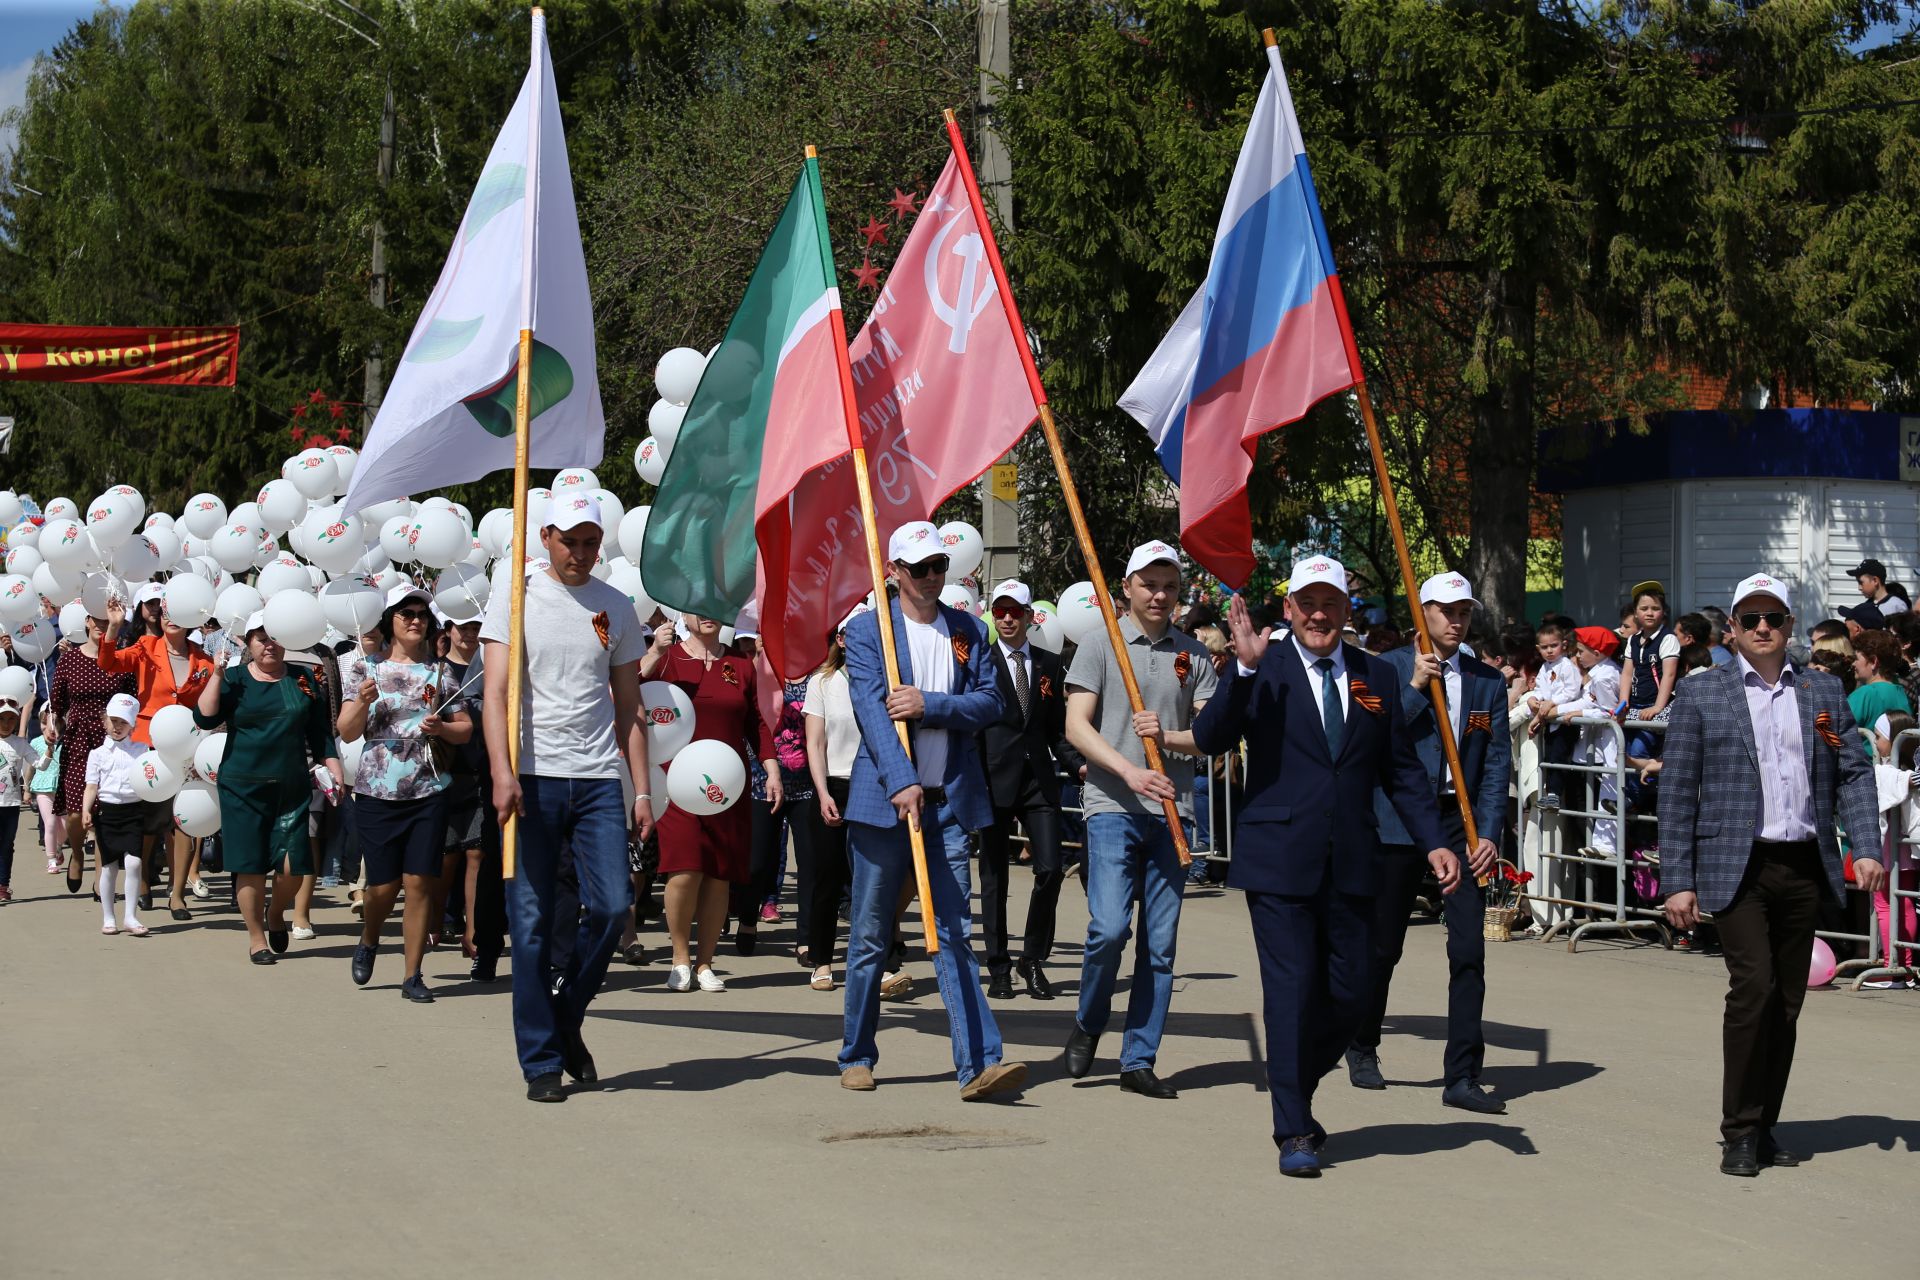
<point>1155,552</point>
<point>1317,569</point>
<point>1446,588</point>
<point>404,591</point>
<point>257,620</point>
<point>151,591</point>
<point>123,706</point>
<point>1762,584</point>
<point>1015,590</point>
<point>564,512</point>
<point>915,541</point>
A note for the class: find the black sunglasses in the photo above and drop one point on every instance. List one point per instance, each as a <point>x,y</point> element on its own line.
<point>1774,618</point>
<point>412,615</point>
<point>932,564</point>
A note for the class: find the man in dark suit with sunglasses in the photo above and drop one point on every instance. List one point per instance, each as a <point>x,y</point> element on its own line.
<point>1760,757</point>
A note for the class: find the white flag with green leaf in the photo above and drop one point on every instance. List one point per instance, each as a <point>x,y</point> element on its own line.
<point>515,263</point>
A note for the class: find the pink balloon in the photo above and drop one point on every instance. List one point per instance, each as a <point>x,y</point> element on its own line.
<point>1820,971</point>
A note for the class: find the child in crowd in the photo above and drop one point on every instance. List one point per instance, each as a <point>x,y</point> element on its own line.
<point>1593,650</point>
<point>1899,786</point>
<point>45,787</point>
<point>112,811</point>
<point>1557,686</point>
<point>16,766</point>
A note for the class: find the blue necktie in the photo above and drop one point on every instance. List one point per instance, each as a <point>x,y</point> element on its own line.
<point>1331,714</point>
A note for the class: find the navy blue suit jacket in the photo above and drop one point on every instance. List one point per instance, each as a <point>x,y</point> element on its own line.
<point>882,769</point>
<point>1309,814</point>
<point>1486,745</point>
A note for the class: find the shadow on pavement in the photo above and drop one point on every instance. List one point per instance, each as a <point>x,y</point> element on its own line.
<point>1423,1139</point>
<point>1845,1133</point>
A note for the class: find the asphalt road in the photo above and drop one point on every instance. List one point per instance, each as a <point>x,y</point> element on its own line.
<point>173,1111</point>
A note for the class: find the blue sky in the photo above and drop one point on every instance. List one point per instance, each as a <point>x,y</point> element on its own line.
<point>28,27</point>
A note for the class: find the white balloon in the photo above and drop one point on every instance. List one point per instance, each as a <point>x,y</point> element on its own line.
<point>16,685</point>
<point>24,559</point>
<point>389,578</point>
<point>650,460</point>
<point>189,600</point>
<point>174,734</point>
<point>100,589</point>
<point>574,480</point>
<point>537,500</point>
<point>156,778</point>
<point>115,515</point>
<point>204,514</point>
<point>137,559</point>
<point>436,538</point>
<point>73,622</point>
<point>196,809</point>
<point>461,592</point>
<point>1045,630</point>
<point>34,641</point>
<point>353,604</point>
<point>11,511</point>
<point>345,459</point>
<point>350,753</point>
<point>165,540</point>
<point>247,513</point>
<point>209,568</point>
<point>669,719</point>
<point>313,473</point>
<point>19,602</point>
<point>612,510</point>
<point>267,551</point>
<point>233,546</point>
<point>155,518</point>
<point>496,531</point>
<point>235,605</point>
<point>706,777</point>
<point>281,505</point>
<point>677,376</point>
<point>961,598</point>
<point>664,421</point>
<point>964,547</point>
<point>284,574</point>
<point>65,545</point>
<point>62,509</point>
<point>632,533</point>
<point>24,534</point>
<point>396,539</point>
<point>294,618</point>
<point>377,515</point>
<point>373,563</point>
<point>1079,612</point>
<point>624,576</point>
<point>332,541</point>
<point>61,588</point>
<point>208,755</point>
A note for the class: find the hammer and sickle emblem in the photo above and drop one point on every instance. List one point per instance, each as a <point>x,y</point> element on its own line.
<point>960,314</point>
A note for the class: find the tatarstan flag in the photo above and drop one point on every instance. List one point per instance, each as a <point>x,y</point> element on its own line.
<point>774,378</point>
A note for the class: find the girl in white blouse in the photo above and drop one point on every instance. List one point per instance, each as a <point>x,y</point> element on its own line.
<point>113,813</point>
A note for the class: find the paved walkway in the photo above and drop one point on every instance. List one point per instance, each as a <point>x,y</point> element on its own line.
<point>172,1111</point>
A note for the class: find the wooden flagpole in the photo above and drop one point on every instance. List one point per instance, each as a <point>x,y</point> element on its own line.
<point>916,837</point>
<point>1436,688</point>
<point>1067,489</point>
<point>517,577</point>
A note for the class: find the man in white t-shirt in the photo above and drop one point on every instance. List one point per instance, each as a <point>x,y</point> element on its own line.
<point>580,729</point>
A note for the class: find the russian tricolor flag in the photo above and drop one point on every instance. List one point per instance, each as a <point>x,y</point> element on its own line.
<point>1264,338</point>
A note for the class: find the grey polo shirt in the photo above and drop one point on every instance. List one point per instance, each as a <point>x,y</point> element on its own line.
<point>1170,685</point>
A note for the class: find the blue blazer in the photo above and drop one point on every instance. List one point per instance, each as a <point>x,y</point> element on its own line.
<point>1486,744</point>
<point>1710,783</point>
<point>1308,814</point>
<point>882,769</point>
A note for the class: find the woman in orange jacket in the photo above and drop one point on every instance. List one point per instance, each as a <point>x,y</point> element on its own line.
<point>170,670</point>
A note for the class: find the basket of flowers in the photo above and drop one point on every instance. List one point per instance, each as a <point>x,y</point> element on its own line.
<point>1506,898</point>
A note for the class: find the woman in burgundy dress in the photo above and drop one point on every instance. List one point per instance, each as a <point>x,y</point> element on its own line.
<point>703,857</point>
<point>80,693</point>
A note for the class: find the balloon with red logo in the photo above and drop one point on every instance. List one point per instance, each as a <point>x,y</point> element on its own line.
<point>965,548</point>
<point>156,778</point>
<point>313,473</point>
<point>1079,612</point>
<point>650,460</point>
<point>1045,630</point>
<point>196,809</point>
<point>65,545</point>
<point>207,756</point>
<point>668,713</point>
<point>19,602</point>
<point>115,515</point>
<point>333,541</point>
<point>204,514</point>
<point>23,560</point>
<point>34,641</point>
<point>706,777</point>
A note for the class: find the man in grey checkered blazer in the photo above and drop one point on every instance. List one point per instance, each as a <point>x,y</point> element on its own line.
<point>1760,758</point>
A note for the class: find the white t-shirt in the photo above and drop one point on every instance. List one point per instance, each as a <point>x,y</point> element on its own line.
<point>575,636</point>
<point>1890,606</point>
<point>830,698</point>
<point>16,769</point>
<point>930,650</point>
<point>110,766</point>
<point>1558,682</point>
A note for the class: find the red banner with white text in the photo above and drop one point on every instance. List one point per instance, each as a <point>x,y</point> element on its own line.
<point>152,355</point>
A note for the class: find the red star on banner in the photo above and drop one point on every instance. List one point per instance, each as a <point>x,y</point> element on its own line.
<point>867,275</point>
<point>299,411</point>
<point>337,409</point>
<point>295,434</point>
<point>343,435</point>
<point>316,397</point>
<point>875,231</point>
<point>902,204</point>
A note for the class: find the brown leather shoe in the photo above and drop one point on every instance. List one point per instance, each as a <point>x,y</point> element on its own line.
<point>859,1079</point>
<point>1001,1077</point>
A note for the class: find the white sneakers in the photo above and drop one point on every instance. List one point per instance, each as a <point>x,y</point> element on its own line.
<point>682,978</point>
<point>304,933</point>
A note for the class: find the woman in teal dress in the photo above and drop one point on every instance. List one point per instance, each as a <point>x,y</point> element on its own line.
<point>278,723</point>
<point>1878,664</point>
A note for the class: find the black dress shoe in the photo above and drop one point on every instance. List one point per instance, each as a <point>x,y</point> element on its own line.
<point>546,1088</point>
<point>264,956</point>
<point>1467,1095</point>
<point>1741,1157</point>
<point>575,1058</point>
<point>485,968</point>
<point>1036,979</point>
<point>1363,1069</point>
<point>277,939</point>
<point>1080,1047</point>
<point>1000,987</point>
<point>1142,1081</point>
<point>362,964</point>
<point>415,989</point>
<point>1771,1153</point>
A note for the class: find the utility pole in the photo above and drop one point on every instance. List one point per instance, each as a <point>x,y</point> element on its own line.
<point>377,285</point>
<point>1000,490</point>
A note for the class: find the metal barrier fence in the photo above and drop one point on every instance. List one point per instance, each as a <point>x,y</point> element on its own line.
<point>1888,963</point>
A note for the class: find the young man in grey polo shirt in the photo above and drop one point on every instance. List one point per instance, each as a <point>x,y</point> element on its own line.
<point>1130,850</point>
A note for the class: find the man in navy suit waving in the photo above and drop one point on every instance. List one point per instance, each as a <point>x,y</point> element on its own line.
<point>1324,726</point>
<point>1477,707</point>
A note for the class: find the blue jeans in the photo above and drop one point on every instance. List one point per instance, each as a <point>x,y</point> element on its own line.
<point>882,863</point>
<point>1130,859</point>
<point>589,814</point>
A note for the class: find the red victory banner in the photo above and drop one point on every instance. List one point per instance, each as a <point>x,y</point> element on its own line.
<point>149,356</point>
